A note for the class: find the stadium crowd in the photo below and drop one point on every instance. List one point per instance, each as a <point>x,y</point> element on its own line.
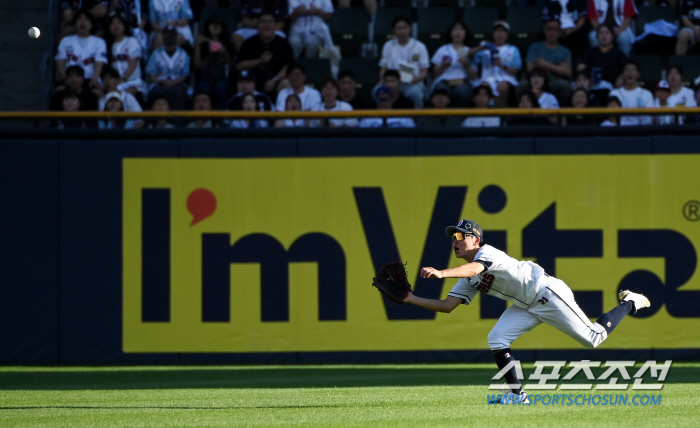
<point>258,55</point>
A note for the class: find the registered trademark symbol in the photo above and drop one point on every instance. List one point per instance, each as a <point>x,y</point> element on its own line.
<point>691,210</point>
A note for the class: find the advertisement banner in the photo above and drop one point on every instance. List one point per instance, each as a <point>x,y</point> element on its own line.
<point>278,255</point>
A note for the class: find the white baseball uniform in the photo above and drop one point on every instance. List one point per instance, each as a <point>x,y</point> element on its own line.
<point>536,297</point>
<point>82,51</point>
<point>122,53</point>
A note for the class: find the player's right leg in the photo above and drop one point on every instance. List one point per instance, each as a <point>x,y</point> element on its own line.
<point>513,323</point>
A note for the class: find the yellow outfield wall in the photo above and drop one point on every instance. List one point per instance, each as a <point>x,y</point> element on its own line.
<point>201,236</point>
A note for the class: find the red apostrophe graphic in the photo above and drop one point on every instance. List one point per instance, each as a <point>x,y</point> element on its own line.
<point>201,204</point>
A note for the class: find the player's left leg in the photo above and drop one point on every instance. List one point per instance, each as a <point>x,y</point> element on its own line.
<point>513,323</point>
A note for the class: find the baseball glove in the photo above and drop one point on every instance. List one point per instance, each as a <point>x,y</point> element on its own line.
<point>392,281</point>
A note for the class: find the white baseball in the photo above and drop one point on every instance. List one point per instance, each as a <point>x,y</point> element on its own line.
<point>34,32</point>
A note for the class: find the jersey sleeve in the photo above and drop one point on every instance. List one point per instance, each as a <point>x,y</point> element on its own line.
<point>61,51</point>
<point>463,290</point>
<point>437,56</point>
<point>486,256</point>
<point>100,50</point>
<point>134,48</point>
<point>186,11</point>
<point>423,58</point>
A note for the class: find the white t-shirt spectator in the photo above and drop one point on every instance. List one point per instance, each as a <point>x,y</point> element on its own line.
<point>309,98</point>
<point>129,101</point>
<point>493,74</point>
<point>636,98</point>
<point>414,54</point>
<point>684,98</point>
<point>84,52</point>
<point>340,122</point>
<point>391,122</point>
<point>312,24</point>
<point>456,69</point>
<point>165,66</point>
<point>122,53</point>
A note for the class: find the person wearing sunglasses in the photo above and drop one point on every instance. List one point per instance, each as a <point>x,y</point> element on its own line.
<point>536,296</point>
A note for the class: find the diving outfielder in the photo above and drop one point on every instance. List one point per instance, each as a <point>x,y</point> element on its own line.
<point>536,297</point>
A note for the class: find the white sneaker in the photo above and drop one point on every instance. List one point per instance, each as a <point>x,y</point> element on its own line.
<point>513,398</point>
<point>637,299</point>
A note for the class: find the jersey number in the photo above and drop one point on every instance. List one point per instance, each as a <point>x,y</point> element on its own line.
<point>486,282</point>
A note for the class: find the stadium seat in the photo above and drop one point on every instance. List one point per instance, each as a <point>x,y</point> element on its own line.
<point>690,65</point>
<point>650,69</point>
<point>501,5</point>
<point>480,21</point>
<point>525,26</point>
<point>433,23</point>
<point>317,69</point>
<point>366,70</point>
<point>349,29</point>
<point>382,23</point>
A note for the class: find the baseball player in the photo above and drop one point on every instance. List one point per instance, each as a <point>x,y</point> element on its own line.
<point>536,297</point>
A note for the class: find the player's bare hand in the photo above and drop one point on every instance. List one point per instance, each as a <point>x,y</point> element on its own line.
<point>428,272</point>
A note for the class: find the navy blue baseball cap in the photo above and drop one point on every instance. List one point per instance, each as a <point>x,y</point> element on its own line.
<point>466,226</point>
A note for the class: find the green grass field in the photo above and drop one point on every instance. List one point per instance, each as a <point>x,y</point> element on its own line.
<point>340,396</point>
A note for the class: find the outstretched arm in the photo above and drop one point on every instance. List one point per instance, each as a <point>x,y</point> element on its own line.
<point>445,306</point>
<point>464,271</point>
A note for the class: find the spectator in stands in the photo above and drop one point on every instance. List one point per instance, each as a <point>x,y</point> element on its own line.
<point>483,99</point>
<point>329,93</point>
<point>69,101</point>
<point>439,99</point>
<point>309,28</point>
<point>348,91</point>
<point>409,57</point>
<point>250,12</point>
<point>383,96</point>
<point>125,57</point>
<point>662,92</point>
<point>500,64</point>
<point>130,10</point>
<point>614,103</point>
<point>169,13</point>
<point>604,62</point>
<point>83,49</point>
<point>631,95</point>
<point>202,102</point>
<point>527,100</point>
<point>96,8</point>
<point>292,103</point>
<point>689,33</point>
<point>249,103</point>
<point>114,103</point>
<point>244,84</point>
<point>168,70</point>
<point>452,68</point>
<point>267,55</point>
<point>695,118</point>
<point>392,79</point>
<point>212,59</point>
<point>596,97</point>
<point>111,82</point>
<point>538,83</point>
<point>579,99</point>
<point>75,83</point>
<point>680,96</point>
<point>619,15</point>
<point>574,26</point>
<point>553,58</point>
<point>160,103</point>
<point>296,75</point>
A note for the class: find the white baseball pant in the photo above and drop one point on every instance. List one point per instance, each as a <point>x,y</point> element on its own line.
<point>554,305</point>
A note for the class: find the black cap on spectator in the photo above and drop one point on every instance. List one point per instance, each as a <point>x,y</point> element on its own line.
<point>346,73</point>
<point>75,69</point>
<point>440,91</point>
<point>170,29</point>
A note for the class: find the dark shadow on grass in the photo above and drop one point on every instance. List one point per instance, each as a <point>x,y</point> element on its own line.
<point>280,377</point>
